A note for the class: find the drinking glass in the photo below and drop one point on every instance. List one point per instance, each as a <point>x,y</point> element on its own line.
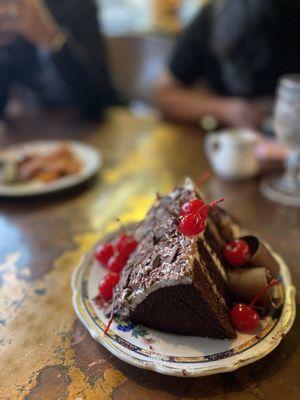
<point>285,189</point>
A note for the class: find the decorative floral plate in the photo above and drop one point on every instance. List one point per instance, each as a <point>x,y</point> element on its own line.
<point>89,158</point>
<point>171,354</point>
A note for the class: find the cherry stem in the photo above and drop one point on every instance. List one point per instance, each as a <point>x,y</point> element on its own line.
<point>206,176</point>
<point>214,203</point>
<point>273,282</point>
<point>108,325</point>
<point>111,316</point>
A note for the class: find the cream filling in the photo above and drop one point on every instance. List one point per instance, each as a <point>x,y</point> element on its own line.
<point>216,260</point>
<point>215,231</point>
<point>218,263</point>
<point>195,255</point>
<point>213,285</point>
<point>207,274</point>
<point>237,231</point>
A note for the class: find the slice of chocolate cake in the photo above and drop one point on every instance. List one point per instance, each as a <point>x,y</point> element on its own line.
<point>177,283</point>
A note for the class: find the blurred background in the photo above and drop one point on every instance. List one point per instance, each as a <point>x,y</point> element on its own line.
<point>148,30</point>
<point>142,31</point>
<point>146,16</point>
<point>155,23</point>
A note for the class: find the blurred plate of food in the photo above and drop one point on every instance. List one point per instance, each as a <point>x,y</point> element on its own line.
<point>42,167</point>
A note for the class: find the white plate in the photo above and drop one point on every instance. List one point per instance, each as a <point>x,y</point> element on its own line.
<point>171,354</point>
<point>89,158</point>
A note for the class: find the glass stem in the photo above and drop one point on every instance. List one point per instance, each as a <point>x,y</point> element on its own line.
<point>293,167</point>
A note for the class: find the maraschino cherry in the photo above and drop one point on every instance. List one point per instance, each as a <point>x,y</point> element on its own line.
<point>115,257</point>
<point>104,252</point>
<point>194,215</point>
<point>117,262</point>
<point>106,287</point>
<point>243,316</point>
<point>126,244</point>
<point>191,225</point>
<point>237,252</point>
<point>191,207</point>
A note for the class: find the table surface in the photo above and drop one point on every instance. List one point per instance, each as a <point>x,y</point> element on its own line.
<point>45,351</point>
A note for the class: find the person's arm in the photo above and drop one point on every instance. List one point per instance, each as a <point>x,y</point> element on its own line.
<point>176,94</point>
<point>69,30</point>
<point>7,70</point>
<point>186,104</point>
<point>81,60</point>
<point>5,80</point>
<point>4,90</point>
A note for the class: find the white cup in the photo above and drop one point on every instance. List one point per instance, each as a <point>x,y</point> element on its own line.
<point>232,153</point>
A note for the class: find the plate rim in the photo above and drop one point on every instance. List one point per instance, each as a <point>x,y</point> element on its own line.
<point>59,184</point>
<point>281,328</point>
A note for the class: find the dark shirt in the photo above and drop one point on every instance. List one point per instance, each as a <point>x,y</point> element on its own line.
<point>75,75</point>
<point>254,69</point>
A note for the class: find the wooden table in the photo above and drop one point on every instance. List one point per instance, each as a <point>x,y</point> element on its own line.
<point>45,352</point>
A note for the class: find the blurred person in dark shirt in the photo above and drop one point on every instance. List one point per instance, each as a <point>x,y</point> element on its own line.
<point>238,49</point>
<point>55,48</point>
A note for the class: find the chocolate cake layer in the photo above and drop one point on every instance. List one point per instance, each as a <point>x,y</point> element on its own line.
<point>170,272</point>
<point>177,303</point>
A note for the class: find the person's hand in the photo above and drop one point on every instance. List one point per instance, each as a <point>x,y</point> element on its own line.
<point>270,150</point>
<point>243,113</point>
<point>28,18</point>
<point>9,12</point>
<point>36,23</point>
